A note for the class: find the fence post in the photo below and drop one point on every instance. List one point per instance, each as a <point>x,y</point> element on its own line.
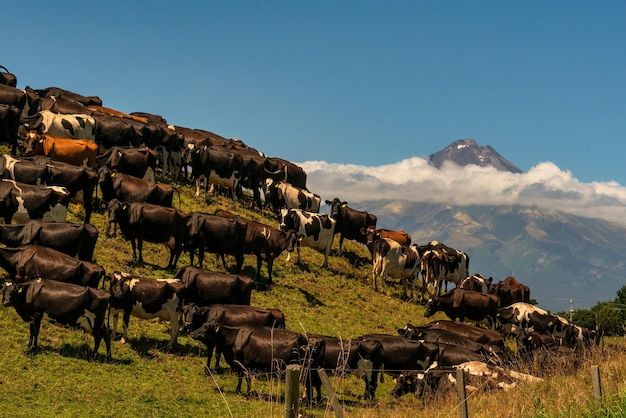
<point>292,390</point>
<point>331,393</point>
<point>595,380</point>
<point>461,397</point>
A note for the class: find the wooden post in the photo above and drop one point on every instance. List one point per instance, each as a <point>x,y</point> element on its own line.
<point>292,390</point>
<point>331,393</point>
<point>595,380</point>
<point>461,397</point>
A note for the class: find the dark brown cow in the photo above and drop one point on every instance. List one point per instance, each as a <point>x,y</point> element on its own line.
<point>127,188</point>
<point>461,304</point>
<point>146,299</point>
<point>264,241</point>
<point>510,291</point>
<point>31,262</point>
<point>69,95</point>
<point>440,336</point>
<point>204,287</point>
<point>286,171</point>
<point>74,240</point>
<point>21,202</point>
<point>232,316</point>
<point>478,334</point>
<point>137,162</point>
<point>64,303</point>
<point>215,234</point>
<point>24,170</point>
<point>9,125</point>
<point>146,222</point>
<point>350,222</point>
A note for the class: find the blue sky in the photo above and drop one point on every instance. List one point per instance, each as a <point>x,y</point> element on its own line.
<point>366,83</point>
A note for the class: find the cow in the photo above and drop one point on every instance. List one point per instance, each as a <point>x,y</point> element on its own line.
<point>203,287</point>
<point>283,195</point>
<point>146,299</point>
<point>74,240</point>
<point>313,230</point>
<point>477,283</point>
<point>64,303</point>
<point>215,234</point>
<point>31,262</point>
<point>60,105</point>
<point>527,317</point>
<point>215,166</point>
<point>529,342</point>
<point>487,337</point>
<point>79,181</point>
<point>393,259</point>
<point>127,188</point>
<point>264,241</point>
<point>395,355</point>
<point>441,263</point>
<point>372,234</point>
<point>117,113</point>
<point>21,202</point>
<point>253,348</point>
<point>74,126</point>
<point>69,95</point>
<point>9,125</point>
<point>350,222</point>
<point>232,316</point>
<point>461,304</point>
<point>24,170</point>
<point>439,336</point>
<point>115,131</point>
<point>510,291</point>
<point>137,162</point>
<point>146,222</point>
<point>282,170</point>
<point>73,151</point>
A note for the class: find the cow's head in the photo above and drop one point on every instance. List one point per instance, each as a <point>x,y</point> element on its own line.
<point>34,143</point>
<point>8,290</point>
<point>105,174</point>
<point>370,235</point>
<point>115,211</point>
<point>194,317</point>
<point>207,333</point>
<point>431,307</point>
<point>410,331</point>
<point>407,383</point>
<point>335,207</point>
<point>119,284</point>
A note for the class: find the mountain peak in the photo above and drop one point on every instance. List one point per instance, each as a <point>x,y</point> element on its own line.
<point>467,151</point>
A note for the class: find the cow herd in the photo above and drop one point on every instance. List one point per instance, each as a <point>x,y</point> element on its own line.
<point>73,145</point>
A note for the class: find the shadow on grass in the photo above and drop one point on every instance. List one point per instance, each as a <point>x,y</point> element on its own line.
<point>354,259</point>
<point>144,345</point>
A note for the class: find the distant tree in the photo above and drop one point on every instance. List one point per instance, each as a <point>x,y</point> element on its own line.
<point>609,317</point>
<point>584,318</point>
<point>621,296</point>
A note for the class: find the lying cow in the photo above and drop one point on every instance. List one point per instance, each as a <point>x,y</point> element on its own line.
<point>34,261</point>
<point>21,202</point>
<point>204,287</point>
<point>146,299</point>
<point>64,303</point>
<point>145,222</point>
<point>461,304</point>
<point>491,338</point>
<point>313,230</point>
<point>72,239</point>
<point>232,316</point>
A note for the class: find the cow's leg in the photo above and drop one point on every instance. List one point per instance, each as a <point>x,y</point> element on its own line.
<point>107,339</point>
<point>140,248</point>
<point>35,325</point>
<point>98,332</point>
<point>270,266</point>
<point>171,311</point>
<point>114,330</point>
<point>209,349</point>
<point>340,243</point>
<point>125,322</point>
<point>134,246</point>
<point>299,246</point>
<point>326,254</point>
<point>239,260</point>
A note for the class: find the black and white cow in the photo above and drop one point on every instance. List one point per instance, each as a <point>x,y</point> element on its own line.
<point>75,126</point>
<point>21,202</point>
<point>146,299</point>
<point>313,230</point>
<point>283,195</point>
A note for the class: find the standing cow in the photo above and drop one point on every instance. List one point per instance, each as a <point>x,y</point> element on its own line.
<point>461,303</point>
<point>350,222</point>
<point>313,230</point>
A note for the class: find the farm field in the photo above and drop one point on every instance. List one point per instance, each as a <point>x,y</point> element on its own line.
<point>144,381</point>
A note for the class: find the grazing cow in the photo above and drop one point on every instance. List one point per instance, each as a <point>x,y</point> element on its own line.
<point>264,241</point>
<point>203,287</point>
<point>146,222</point>
<point>64,303</point>
<point>350,222</point>
<point>74,240</point>
<point>313,230</point>
<point>477,283</point>
<point>461,303</point>
<point>530,318</point>
<point>138,162</point>
<point>252,348</point>
<point>79,181</point>
<point>73,151</point>
<point>21,202</point>
<point>9,125</point>
<point>232,316</point>
<point>442,264</point>
<point>215,234</point>
<point>372,234</point>
<point>283,195</point>
<point>127,188</point>
<point>31,262</point>
<point>215,166</point>
<point>146,299</point>
<point>74,126</point>
<point>396,354</point>
<point>69,95</point>
<point>510,291</point>
<point>487,337</point>
<point>393,259</point>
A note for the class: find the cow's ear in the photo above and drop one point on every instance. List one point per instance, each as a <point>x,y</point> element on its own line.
<point>300,238</point>
<point>124,206</point>
<point>41,141</point>
<point>20,289</point>
<point>344,204</point>
<point>112,174</point>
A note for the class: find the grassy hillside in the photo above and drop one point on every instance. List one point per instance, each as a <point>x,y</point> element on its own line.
<point>144,381</point>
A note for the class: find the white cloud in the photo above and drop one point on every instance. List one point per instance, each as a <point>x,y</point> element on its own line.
<point>545,186</point>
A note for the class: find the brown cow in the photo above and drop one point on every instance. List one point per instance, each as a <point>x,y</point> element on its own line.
<point>73,151</point>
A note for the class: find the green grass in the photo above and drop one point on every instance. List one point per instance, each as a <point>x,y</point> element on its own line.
<point>143,381</point>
